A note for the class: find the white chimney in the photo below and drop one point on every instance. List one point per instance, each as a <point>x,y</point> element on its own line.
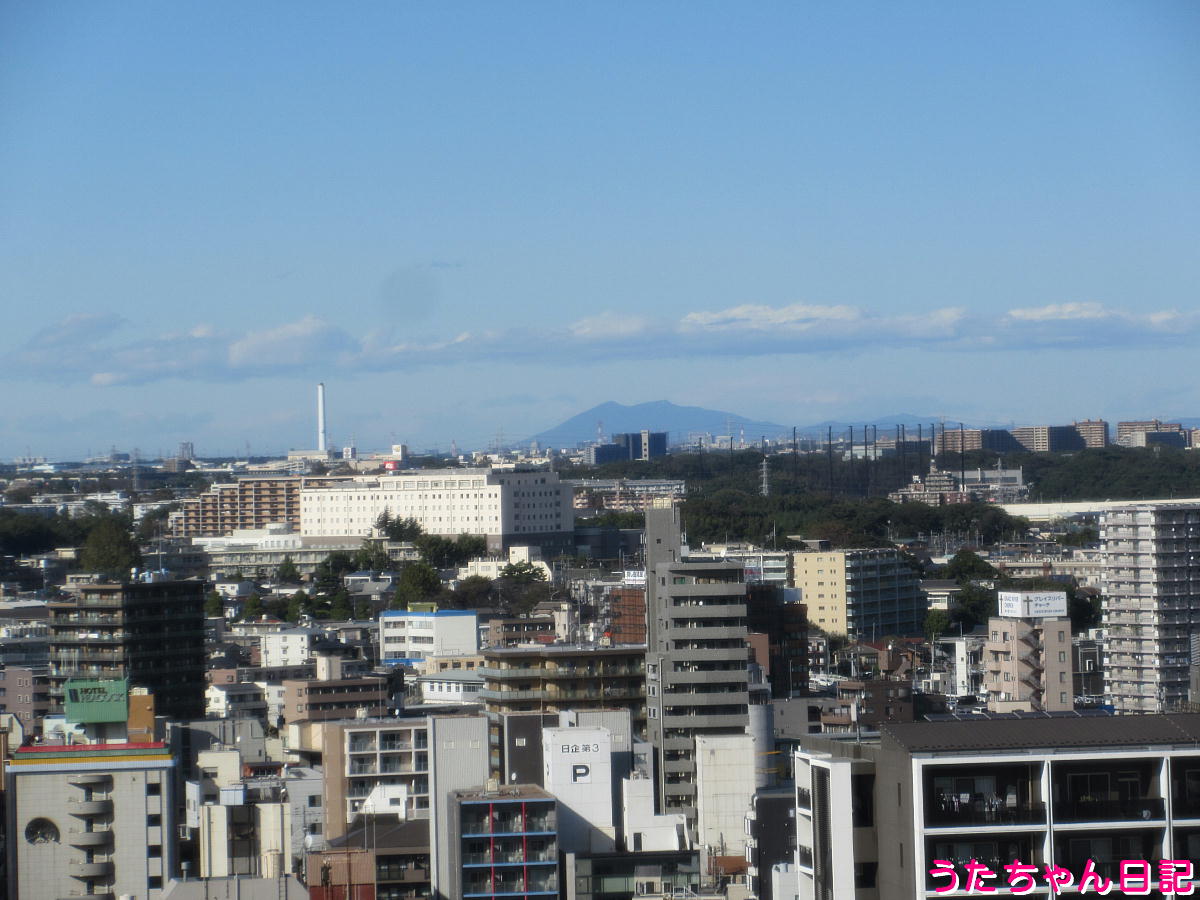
<point>321,417</point>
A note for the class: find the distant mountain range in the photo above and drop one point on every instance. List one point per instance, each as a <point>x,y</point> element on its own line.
<point>680,421</point>
<point>660,415</point>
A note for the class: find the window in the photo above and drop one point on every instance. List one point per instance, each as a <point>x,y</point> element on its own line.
<point>154,789</point>
<point>314,800</point>
<point>1062,656</point>
<point>152,820</point>
<point>154,851</point>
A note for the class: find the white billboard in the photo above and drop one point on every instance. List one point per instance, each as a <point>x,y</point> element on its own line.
<point>1032,604</point>
<point>578,771</point>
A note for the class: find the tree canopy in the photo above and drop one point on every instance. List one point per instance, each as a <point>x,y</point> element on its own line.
<point>110,550</point>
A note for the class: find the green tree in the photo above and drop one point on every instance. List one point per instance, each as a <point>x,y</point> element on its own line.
<point>473,592</point>
<point>937,623</point>
<point>522,573</point>
<point>401,530</point>
<point>371,557</point>
<point>418,582</point>
<point>362,609</point>
<point>975,605</point>
<point>339,607</point>
<point>252,608</point>
<point>287,573</point>
<point>297,605</point>
<point>214,605</point>
<point>966,565</point>
<point>109,550</point>
<point>330,570</point>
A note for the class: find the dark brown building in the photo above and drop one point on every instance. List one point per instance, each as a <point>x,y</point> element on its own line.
<point>627,615</point>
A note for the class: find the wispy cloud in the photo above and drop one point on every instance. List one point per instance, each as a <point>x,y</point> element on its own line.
<point>94,347</point>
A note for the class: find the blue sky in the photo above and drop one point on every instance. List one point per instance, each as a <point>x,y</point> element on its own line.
<point>476,219</point>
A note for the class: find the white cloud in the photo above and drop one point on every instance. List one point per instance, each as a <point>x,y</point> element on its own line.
<point>83,348</point>
<point>608,325</point>
<point>1060,312</point>
<point>759,317</point>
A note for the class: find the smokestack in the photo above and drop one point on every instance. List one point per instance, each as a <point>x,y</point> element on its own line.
<point>321,418</point>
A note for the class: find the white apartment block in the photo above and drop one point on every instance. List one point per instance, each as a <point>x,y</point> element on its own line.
<point>506,506</point>
<point>408,638</point>
<point>292,647</point>
<point>1151,603</point>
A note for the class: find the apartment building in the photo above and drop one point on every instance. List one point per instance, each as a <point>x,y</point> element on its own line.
<point>248,503</point>
<point>624,494</point>
<point>546,681</point>
<point>508,507</point>
<point>1027,657</point>
<point>335,698</point>
<point>501,844</point>
<point>1126,431</point>
<point>388,759</point>
<point>863,594</point>
<point>25,693</point>
<point>409,637</point>
<point>697,678</point>
<point>874,814</point>
<point>1094,432</point>
<point>1151,603</point>
<point>152,634</point>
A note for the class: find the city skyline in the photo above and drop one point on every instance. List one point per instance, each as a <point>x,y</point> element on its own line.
<point>475,220</point>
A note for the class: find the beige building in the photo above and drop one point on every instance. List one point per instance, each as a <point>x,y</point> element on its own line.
<point>1028,663</point>
<point>864,594</point>
<point>247,503</point>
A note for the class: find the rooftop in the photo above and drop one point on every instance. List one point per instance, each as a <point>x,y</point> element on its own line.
<point>1045,732</point>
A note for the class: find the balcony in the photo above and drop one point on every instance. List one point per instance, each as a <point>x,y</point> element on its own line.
<point>804,856</point>
<point>1085,810</point>
<point>86,808</point>
<point>804,798</point>
<point>977,814</point>
<point>101,869</point>
<point>90,838</point>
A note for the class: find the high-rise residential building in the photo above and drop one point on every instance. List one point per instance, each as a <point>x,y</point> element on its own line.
<point>248,503</point>
<point>1028,654</point>
<point>697,677</point>
<point>1048,438</point>
<point>1094,432</point>
<point>152,634</point>
<point>864,594</point>
<point>1127,430</point>
<point>528,507</point>
<point>1151,603</point>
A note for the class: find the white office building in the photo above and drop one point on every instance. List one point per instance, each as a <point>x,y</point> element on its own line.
<point>407,638</point>
<point>506,506</point>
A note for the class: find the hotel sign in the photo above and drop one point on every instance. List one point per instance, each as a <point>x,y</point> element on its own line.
<point>86,701</point>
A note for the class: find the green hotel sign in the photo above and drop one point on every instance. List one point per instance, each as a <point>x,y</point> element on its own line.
<point>86,701</point>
